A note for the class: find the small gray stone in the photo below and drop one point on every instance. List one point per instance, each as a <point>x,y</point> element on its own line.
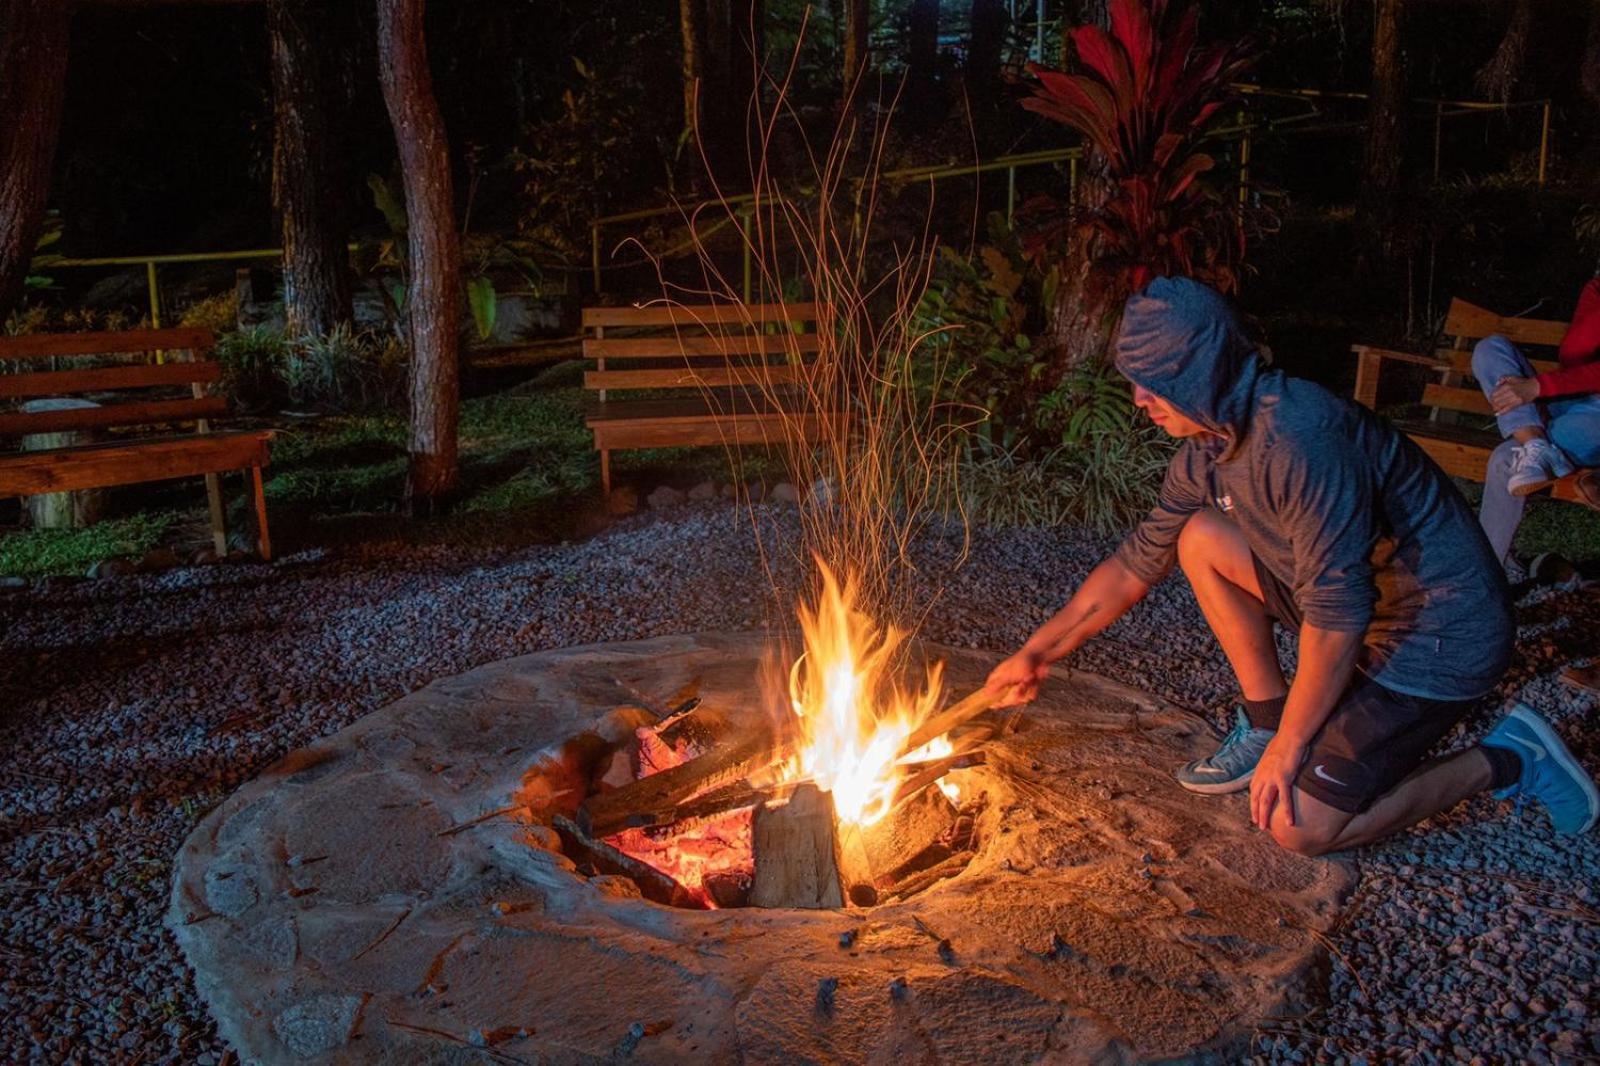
<point>663,498</point>
<point>783,492</point>
<point>107,568</point>
<point>318,1025</point>
<point>704,491</point>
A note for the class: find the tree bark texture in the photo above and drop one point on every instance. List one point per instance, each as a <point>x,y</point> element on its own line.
<point>433,301</point>
<point>986,47</point>
<point>857,43</point>
<point>306,176</point>
<point>1385,147</point>
<point>1589,69</point>
<point>922,45</point>
<point>692,23</point>
<point>1498,77</point>
<point>1083,318</point>
<point>34,37</point>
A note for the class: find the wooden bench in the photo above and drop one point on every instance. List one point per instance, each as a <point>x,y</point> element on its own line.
<point>1457,426</point>
<point>725,374</point>
<point>144,403</point>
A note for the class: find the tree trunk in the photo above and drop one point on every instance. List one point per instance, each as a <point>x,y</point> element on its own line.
<point>857,43</point>
<point>1385,147</point>
<point>1589,69</point>
<point>986,47</point>
<point>922,41</point>
<point>1498,77</point>
<point>433,301</point>
<point>1083,318</point>
<point>306,177</point>
<point>692,22</point>
<point>34,37</point>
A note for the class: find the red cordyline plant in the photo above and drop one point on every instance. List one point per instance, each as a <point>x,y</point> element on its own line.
<point>1144,96</point>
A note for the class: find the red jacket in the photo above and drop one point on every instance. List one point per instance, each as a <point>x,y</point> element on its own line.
<point>1580,350</point>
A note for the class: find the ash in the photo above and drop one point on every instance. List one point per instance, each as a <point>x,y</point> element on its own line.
<point>131,707</point>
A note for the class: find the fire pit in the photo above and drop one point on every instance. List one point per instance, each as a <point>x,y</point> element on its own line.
<point>447,873</point>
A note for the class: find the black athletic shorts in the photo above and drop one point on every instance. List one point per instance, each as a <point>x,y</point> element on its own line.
<point>1374,736</point>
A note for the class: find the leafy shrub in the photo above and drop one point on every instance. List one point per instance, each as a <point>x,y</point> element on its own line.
<point>219,313</point>
<point>251,360</point>
<point>1106,482</point>
<point>345,370</point>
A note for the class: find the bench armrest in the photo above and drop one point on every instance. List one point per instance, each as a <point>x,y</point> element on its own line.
<point>1370,364</point>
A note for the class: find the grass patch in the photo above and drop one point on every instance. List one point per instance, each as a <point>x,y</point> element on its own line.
<point>35,553</point>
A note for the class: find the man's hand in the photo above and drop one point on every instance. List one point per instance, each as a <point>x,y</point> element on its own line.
<point>1273,781</point>
<point>1513,392</point>
<point>1017,679</point>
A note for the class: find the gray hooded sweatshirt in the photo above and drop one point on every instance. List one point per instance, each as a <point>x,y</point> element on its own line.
<point>1368,534</point>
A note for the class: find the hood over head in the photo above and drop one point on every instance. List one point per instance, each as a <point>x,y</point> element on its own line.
<point>1182,341</point>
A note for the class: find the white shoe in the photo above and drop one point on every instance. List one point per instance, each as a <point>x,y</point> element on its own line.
<point>1536,465</point>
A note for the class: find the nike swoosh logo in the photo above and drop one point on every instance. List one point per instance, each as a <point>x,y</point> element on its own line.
<point>1537,749</point>
<point>1320,772</point>
<point>1208,770</point>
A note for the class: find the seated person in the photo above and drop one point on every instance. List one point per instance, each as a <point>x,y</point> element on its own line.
<point>1550,421</point>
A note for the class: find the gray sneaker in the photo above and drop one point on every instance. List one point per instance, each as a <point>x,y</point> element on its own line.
<point>1234,763</point>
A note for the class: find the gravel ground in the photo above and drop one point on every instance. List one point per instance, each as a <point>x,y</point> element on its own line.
<point>129,707</point>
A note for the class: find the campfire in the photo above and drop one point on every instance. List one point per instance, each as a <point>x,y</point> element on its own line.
<point>850,796</point>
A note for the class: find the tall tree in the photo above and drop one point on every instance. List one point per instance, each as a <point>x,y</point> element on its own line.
<point>986,46</point>
<point>857,42</point>
<point>692,27</point>
<point>1386,109</point>
<point>1078,323</point>
<point>922,45</point>
<point>433,300</point>
<point>1589,68</point>
<point>1498,77</point>
<point>34,36</point>
<point>306,175</point>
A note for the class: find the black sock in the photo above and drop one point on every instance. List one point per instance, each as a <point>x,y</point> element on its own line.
<point>1505,766</point>
<point>1265,714</point>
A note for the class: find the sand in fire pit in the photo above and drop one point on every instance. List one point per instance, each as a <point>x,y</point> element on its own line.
<point>1106,912</point>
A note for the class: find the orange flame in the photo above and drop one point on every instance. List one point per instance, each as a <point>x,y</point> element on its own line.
<point>854,716</point>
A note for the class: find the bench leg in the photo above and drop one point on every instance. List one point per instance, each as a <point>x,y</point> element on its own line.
<point>219,517</point>
<point>605,472</point>
<point>261,515</point>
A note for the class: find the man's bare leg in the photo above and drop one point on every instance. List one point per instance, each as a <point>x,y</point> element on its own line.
<point>1217,561</point>
<point>1434,786</point>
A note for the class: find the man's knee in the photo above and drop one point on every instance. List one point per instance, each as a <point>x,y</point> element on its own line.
<point>1308,840</point>
<point>1203,540</point>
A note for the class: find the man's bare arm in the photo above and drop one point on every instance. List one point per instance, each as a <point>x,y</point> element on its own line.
<point>1327,662</point>
<point>1105,596</point>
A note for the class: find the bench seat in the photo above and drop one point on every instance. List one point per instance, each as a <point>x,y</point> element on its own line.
<point>127,462</point>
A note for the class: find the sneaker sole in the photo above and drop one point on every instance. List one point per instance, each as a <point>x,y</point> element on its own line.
<point>1557,750</point>
<point>1532,487</point>
<point>1235,784</point>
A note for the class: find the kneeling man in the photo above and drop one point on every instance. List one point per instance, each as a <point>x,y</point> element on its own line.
<point>1287,504</point>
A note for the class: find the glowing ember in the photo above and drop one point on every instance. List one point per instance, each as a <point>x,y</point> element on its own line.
<point>854,716</point>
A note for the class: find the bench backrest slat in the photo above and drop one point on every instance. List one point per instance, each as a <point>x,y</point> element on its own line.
<point>48,345</point>
<point>1460,360</point>
<point>144,375</point>
<point>1473,323</point>
<point>116,414</point>
<point>691,316</point>
<point>694,377</point>
<point>1449,398</point>
<point>669,345</point>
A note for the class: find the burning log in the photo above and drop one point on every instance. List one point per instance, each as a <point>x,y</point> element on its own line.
<point>796,848</point>
<point>623,808</point>
<point>653,884</point>
<point>957,714</point>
